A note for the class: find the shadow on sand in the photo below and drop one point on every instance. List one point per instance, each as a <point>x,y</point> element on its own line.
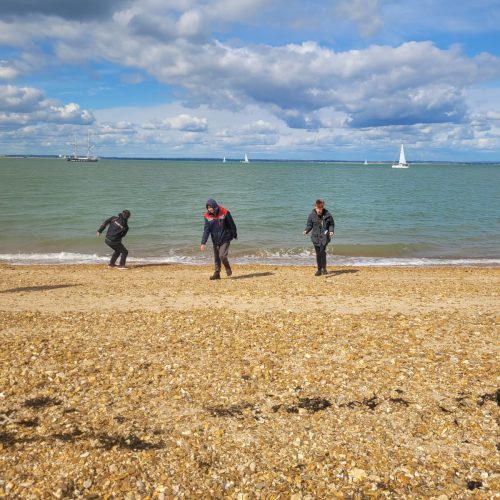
<point>163,264</point>
<point>343,271</point>
<point>252,275</point>
<point>40,288</point>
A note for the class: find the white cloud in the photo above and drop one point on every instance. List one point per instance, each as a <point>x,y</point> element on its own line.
<point>20,106</point>
<point>303,93</point>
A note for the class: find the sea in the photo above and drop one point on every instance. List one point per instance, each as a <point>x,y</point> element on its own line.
<point>430,214</point>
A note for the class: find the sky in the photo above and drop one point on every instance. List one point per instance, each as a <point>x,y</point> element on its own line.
<point>275,79</point>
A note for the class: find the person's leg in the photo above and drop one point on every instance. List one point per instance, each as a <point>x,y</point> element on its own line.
<point>323,259</point>
<point>217,263</point>
<point>124,253</point>
<point>223,255</point>
<point>116,252</point>
<point>317,248</point>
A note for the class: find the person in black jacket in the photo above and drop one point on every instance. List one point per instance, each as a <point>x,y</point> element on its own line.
<point>117,229</point>
<point>219,224</point>
<point>321,222</point>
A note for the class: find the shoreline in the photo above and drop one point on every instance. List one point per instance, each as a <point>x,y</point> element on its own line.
<point>69,259</point>
<point>156,382</point>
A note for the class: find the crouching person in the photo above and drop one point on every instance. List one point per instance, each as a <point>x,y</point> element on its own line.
<point>117,229</point>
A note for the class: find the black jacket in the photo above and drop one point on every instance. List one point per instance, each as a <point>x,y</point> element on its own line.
<point>220,226</point>
<point>117,228</point>
<point>320,225</point>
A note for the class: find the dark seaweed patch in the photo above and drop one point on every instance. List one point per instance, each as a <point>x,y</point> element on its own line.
<point>41,402</point>
<point>474,485</point>
<point>492,396</point>
<point>68,437</point>
<point>400,401</point>
<point>120,419</point>
<point>229,411</point>
<point>313,405</point>
<point>371,403</point>
<point>33,422</point>
<point>130,442</point>
<point>7,438</point>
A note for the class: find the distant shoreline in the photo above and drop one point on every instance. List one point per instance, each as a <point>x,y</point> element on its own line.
<point>263,160</point>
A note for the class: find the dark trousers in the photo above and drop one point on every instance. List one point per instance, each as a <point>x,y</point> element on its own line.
<point>220,256</point>
<point>118,249</point>
<point>321,256</point>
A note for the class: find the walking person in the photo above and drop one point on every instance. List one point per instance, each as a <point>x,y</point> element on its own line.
<point>321,222</point>
<point>219,224</point>
<point>117,229</point>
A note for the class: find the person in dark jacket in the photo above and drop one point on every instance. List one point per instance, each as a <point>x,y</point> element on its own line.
<point>321,222</point>
<point>117,229</point>
<point>219,224</point>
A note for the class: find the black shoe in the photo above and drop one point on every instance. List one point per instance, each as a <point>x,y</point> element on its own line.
<point>324,271</point>
<point>317,273</point>
<point>229,271</point>
<point>215,276</point>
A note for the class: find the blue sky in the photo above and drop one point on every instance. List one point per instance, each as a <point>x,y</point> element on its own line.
<point>338,79</point>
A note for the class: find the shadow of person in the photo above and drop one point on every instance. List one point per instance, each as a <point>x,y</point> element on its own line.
<point>39,288</point>
<point>252,275</point>
<point>341,271</point>
<point>159,264</point>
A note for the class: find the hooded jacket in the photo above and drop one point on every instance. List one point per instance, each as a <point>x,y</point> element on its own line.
<point>117,228</point>
<point>219,225</point>
<point>321,226</point>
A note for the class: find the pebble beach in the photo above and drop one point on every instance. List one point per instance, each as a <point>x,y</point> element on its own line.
<point>157,383</point>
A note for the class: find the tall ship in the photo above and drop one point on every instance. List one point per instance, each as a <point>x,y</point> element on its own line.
<point>75,157</point>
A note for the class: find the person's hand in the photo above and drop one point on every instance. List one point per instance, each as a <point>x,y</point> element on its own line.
<point>331,234</point>
<point>98,234</point>
<point>305,232</point>
<point>202,248</point>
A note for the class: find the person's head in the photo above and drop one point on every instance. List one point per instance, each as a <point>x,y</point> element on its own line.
<point>319,205</point>
<point>126,214</point>
<point>211,206</point>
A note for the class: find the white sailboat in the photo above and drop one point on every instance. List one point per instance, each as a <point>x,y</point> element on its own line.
<point>402,160</point>
<point>246,160</point>
<point>366,162</point>
<point>224,160</point>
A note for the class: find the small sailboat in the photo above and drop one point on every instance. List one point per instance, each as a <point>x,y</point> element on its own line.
<point>366,162</point>
<point>224,160</point>
<point>402,160</point>
<point>246,160</point>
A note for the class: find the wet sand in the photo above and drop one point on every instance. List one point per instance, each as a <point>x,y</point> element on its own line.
<point>156,382</point>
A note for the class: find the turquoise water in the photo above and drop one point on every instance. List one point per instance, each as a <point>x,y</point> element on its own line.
<point>50,210</point>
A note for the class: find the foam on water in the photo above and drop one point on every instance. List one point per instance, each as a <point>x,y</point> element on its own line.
<point>279,258</point>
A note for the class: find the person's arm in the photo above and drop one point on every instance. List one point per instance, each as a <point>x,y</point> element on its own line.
<point>125,231</point>
<point>103,226</point>
<point>309,225</point>
<point>331,226</point>
<point>206,232</point>
<point>231,225</point>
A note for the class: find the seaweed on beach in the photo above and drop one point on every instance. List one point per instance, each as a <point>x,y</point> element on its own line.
<point>130,442</point>
<point>42,402</point>
<point>370,403</point>
<point>474,485</point>
<point>313,405</point>
<point>30,422</point>
<point>7,438</point>
<point>492,396</point>
<point>229,411</point>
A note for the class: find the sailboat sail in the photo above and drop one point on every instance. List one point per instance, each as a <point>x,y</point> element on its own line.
<point>402,159</point>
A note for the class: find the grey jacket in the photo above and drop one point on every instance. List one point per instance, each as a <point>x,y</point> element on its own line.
<point>321,226</point>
